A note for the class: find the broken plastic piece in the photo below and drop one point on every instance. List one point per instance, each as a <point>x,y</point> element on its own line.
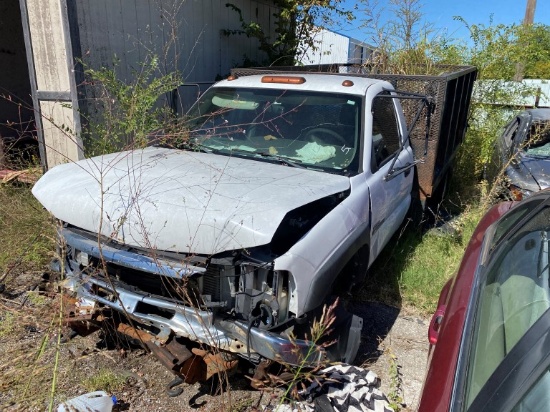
<point>98,401</point>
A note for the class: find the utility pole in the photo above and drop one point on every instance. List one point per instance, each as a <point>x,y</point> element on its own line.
<point>530,12</point>
<point>527,20</point>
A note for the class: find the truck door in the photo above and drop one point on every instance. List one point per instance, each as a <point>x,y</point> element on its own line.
<point>390,198</point>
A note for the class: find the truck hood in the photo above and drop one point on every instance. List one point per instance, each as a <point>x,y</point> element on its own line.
<point>181,201</point>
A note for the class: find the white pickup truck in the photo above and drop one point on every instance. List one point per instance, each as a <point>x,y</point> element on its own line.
<point>284,189</point>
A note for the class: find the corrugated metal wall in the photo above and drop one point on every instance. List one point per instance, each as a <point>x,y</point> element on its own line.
<point>16,111</point>
<point>184,34</point>
<point>359,52</point>
<point>333,48</point>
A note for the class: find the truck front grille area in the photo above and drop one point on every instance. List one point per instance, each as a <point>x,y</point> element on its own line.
<point>208,290</point>
<point>245,290</point>
<point>185,290</point>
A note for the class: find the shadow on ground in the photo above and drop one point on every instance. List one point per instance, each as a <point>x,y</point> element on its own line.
<point>378,319</point>
<point>378,302</point>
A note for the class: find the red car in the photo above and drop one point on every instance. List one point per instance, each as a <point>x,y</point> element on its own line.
<point>490,335</point>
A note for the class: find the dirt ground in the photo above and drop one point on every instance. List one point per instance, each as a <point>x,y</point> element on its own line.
<point>394,346</point>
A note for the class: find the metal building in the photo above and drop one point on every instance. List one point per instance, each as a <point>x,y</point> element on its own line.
<point>333,48</point>
<point>187,35</point>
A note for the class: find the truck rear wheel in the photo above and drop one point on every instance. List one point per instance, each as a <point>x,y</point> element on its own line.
<point>416,209</point>
<point>434,204</point>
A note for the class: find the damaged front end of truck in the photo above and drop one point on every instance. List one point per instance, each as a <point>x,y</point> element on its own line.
<point>199,286</point>
<point>235,303</point>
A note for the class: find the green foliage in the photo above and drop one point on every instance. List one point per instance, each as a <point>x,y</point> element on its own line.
<point>127,113</point>
<point>296,23</point>
<point>404,42</point>
<point>497,50</point>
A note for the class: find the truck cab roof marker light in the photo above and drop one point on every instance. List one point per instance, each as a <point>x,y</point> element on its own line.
<point>283,79</point>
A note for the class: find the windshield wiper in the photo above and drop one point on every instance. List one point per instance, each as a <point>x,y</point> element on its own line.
<point>198,147</point>
<point>283,160</point>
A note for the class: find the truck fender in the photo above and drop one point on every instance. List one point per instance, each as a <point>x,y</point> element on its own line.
<point>333,273</point>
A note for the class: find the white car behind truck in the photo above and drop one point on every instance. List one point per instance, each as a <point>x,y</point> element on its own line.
<point>283,189</point>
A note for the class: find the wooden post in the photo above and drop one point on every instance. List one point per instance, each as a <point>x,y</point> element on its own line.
<point>51,63</point>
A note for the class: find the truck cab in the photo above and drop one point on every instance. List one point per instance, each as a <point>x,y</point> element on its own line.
<point>334,125</point>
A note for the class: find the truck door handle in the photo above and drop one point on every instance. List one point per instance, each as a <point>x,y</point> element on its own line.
<point>407,172</point>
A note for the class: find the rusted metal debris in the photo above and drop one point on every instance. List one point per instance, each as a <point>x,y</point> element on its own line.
<point>190,365</point>
<point>193,366</point>
<point>216,362</point>
<point>263,379</point>
<point>81,319</point>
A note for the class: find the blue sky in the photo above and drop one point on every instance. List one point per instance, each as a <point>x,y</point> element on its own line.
<point>440,13</point>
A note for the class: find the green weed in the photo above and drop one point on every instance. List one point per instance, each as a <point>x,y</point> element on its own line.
<point>126,114</point>
<point>395,394</point>
<point>8,323</point>
<point>414,266</point>
<point>106,380</point>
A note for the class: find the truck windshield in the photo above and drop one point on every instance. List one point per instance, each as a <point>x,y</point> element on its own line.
<point>295,128</point>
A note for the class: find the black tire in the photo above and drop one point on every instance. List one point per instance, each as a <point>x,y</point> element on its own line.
<point>416,209</point>
<point>435,203</point>
<point>353,273</point>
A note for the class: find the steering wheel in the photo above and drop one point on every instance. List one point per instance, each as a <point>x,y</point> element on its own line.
<point>310,135</point>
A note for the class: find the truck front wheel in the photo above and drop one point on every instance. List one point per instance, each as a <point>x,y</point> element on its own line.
<point>353,274</point>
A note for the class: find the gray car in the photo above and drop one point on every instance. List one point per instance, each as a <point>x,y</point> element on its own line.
<point>523,151</point>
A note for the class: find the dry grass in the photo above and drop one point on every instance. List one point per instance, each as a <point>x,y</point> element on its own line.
<point>29,346</point>
<point>27,328</point>
<point>26,232</point>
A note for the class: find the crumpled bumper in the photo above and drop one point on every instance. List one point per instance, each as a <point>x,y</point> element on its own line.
<point>194,324</point>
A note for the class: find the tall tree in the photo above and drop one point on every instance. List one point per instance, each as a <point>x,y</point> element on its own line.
<point>399,32</point>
